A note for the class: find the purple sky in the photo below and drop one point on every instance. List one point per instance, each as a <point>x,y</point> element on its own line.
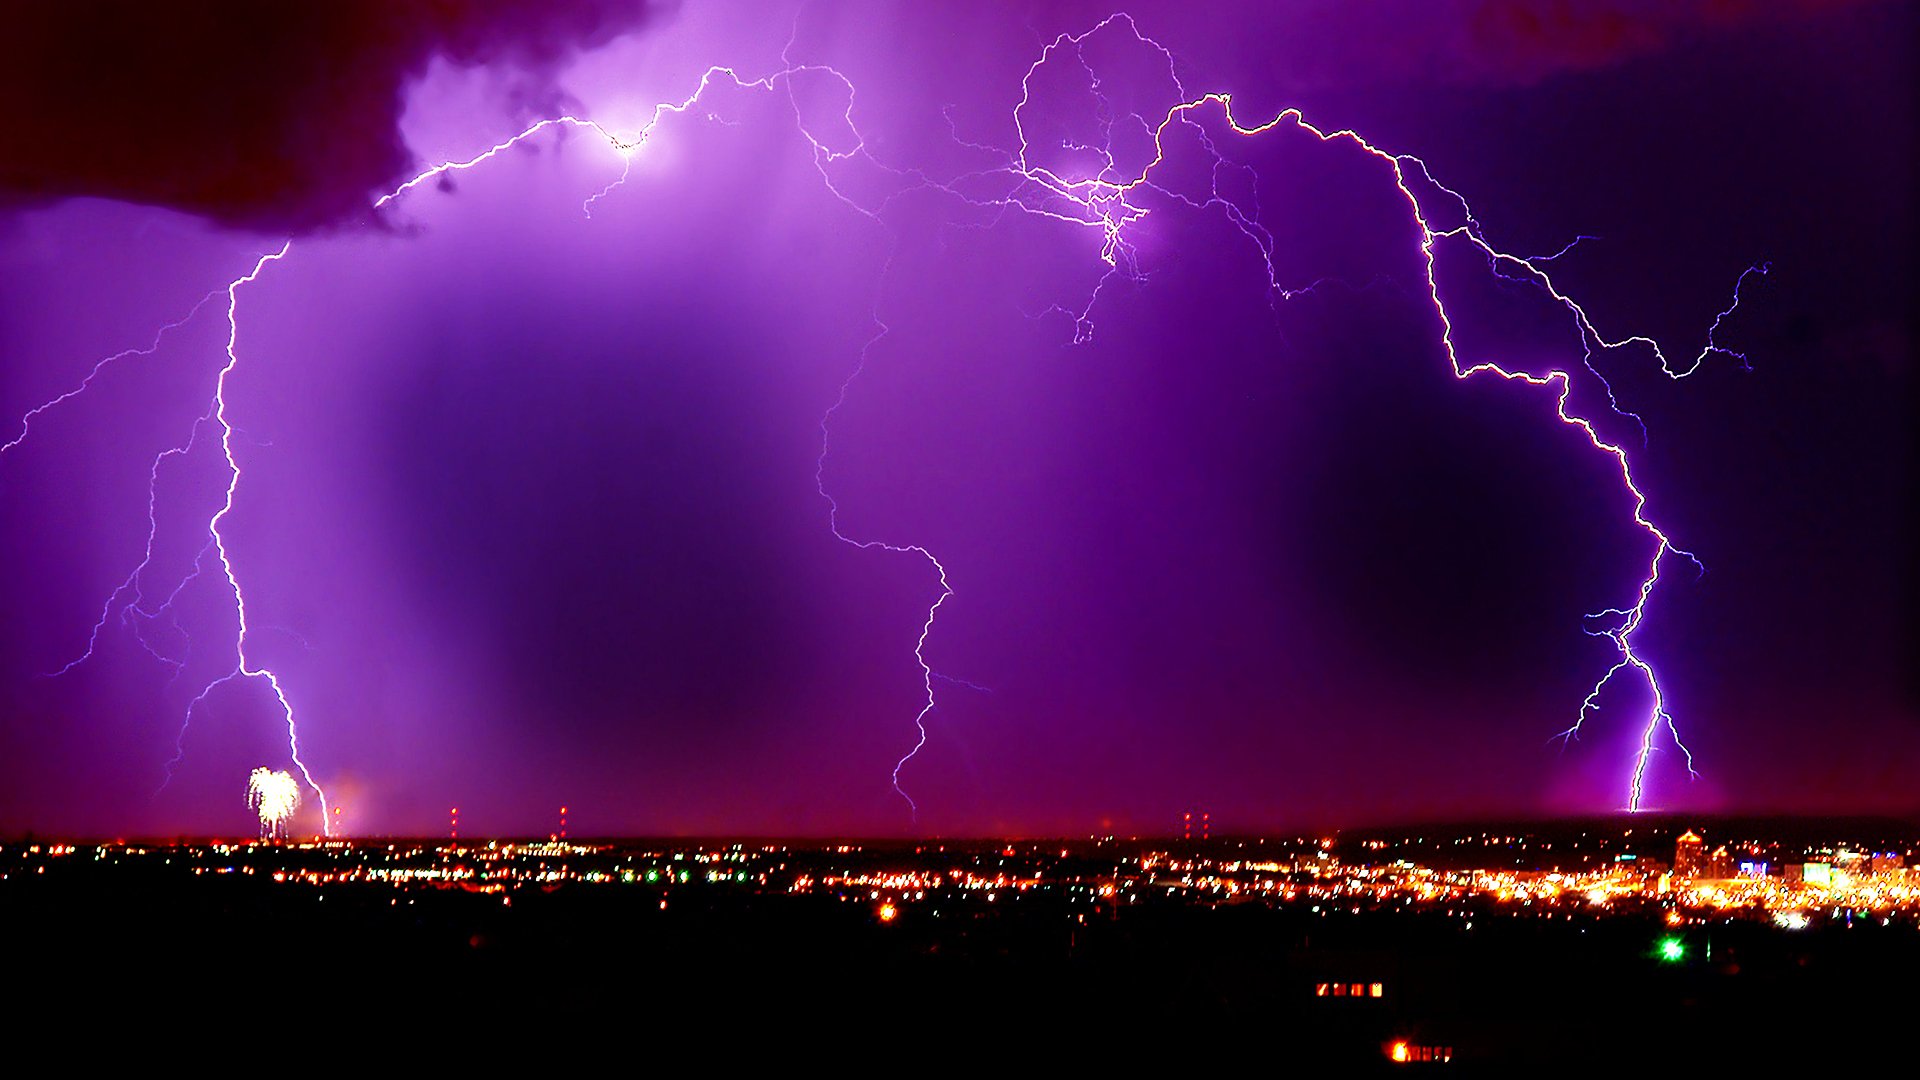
<point>528,511</point>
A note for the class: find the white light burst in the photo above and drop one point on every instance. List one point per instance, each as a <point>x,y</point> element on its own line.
<point>276,795</point>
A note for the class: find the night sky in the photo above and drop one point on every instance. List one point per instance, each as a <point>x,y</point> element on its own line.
<point>530,509</point>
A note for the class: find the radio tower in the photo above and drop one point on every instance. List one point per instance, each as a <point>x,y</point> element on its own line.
<point>1206,825</point>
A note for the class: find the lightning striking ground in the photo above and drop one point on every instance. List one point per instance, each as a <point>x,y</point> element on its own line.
<point>1106,203</point>
<point>1107,200</point>
<point>927,675</point>
<point>241,667</point>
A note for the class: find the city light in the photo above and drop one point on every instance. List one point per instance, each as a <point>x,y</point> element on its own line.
<point>1318,878</point>
<point>1090,895</point>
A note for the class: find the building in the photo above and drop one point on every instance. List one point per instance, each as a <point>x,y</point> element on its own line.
<point>1400,1051</point>
<point>1811,873</point>
<point>1689,856</point>
<point>1720,864</point>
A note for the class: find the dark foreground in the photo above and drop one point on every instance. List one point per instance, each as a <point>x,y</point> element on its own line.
<point>739,975</point>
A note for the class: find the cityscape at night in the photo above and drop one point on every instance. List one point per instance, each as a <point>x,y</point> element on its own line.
<point>1593,870</point>
<point>1365,950</point>
<point>947,535</point>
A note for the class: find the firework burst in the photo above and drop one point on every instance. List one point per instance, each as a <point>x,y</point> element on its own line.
<point>276,795</point>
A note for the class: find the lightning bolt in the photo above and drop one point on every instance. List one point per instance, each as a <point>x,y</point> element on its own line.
<point>26,421</point>
<point>131,585</point>
<point>946,590</point>
<point>1106,202</point>
<point>242,669</point>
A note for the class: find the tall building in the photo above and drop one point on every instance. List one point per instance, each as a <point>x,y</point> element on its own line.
<point>1689,856</point>
<point>1720,864</point>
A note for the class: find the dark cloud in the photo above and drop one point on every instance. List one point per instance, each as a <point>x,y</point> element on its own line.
<point>1480,43</point>
<point>281,116</point>
<point>1517,42</point>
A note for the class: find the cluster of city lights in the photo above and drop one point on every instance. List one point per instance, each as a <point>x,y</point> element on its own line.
<point>1096,878</point>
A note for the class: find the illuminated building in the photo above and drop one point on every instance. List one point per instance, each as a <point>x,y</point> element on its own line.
<point>1720,864</point>
<point>1405,1052</point>
<point>1350,990</point>
<point>1812,873</point>
<point>1688,855</point>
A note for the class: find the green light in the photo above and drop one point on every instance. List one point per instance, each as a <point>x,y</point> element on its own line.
<point>1672,949</point>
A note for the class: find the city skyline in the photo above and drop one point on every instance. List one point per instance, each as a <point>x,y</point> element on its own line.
<point>1367,949</point>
